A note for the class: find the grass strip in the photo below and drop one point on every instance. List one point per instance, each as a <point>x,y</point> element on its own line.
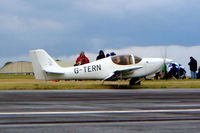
<point>27,82</point>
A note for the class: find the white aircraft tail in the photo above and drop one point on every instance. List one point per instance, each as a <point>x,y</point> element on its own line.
<point>43,63</point>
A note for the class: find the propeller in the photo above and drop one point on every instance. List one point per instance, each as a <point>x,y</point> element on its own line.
<point>165,59</point>
<point>165,62</point>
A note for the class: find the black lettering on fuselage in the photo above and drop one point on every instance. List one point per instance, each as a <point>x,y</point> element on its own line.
<point>89,69</point>
<point>98,67</point>
<point>85,69</point>
<point>92,68</point>
<point>76,71</point>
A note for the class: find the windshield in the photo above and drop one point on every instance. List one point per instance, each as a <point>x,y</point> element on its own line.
<point>122,59</point>
<point>137,59</point>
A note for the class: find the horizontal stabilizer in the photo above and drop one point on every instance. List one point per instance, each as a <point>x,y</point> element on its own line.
<point>53,70</point>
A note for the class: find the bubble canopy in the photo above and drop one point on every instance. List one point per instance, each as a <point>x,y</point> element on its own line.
<point>125,59</point>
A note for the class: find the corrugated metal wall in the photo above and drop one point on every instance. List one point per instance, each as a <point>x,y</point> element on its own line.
<point>25,67</point>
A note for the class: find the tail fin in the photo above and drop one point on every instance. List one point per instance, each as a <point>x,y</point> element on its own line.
<point>43,64</point>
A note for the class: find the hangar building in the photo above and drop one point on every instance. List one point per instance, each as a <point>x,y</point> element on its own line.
<point>25,67</point>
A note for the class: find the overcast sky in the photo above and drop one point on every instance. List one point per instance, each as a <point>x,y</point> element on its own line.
<point>66,27</point>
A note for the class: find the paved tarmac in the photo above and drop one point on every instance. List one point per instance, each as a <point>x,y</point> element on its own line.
<point>100,111</point>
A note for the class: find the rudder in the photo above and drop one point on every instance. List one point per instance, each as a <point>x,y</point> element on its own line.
<point>41,60</point>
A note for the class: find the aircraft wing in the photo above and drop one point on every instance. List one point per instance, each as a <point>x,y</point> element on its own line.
<point>53,70</point>
<point>124,72</point>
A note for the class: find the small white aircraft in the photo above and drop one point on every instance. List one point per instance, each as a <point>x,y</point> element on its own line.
<point>109,68</point>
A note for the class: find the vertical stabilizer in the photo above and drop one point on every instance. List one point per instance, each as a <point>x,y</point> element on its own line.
<point>41,61</point>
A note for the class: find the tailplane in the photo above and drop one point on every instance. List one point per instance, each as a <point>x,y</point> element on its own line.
<point>43,64</point>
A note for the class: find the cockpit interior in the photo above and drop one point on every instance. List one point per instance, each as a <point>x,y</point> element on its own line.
<point>125,59</point>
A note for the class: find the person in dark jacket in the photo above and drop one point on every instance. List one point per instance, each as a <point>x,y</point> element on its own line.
<point>173,73</point>
<point>198,74</point>
<point>107,55</point>
<point>112,54</point>
<point>101,55</point>
<point>193,67</point>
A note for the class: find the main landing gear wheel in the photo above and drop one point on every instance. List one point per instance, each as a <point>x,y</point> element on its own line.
<point>135,81</point>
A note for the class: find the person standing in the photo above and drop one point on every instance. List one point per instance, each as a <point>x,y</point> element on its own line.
<point>101,55</point>
<point>82,59</point>
<point>198,74</point>
<point>193,67</point>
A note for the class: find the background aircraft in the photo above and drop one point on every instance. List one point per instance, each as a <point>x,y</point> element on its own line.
<point>109,68</point>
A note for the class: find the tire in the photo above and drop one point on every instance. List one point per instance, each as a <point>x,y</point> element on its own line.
<point>135,81</point>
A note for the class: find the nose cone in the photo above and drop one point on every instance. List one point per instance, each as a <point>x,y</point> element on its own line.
<point>167,61</point>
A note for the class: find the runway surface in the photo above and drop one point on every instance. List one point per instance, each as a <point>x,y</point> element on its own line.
<point>127,111</point>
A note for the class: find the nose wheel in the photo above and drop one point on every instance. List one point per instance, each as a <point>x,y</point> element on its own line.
<point>135,81</point>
